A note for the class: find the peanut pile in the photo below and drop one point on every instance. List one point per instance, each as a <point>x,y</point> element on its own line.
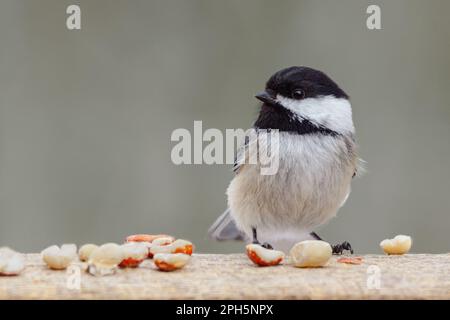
<point>170,254</point>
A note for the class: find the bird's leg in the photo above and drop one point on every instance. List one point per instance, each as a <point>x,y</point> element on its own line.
<point>255,240</point>
<point>255,237</point>
<point>339,248</point>
<point>315,236</point>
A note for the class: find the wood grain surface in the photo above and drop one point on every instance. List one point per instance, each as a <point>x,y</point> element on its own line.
<point>233,276</point>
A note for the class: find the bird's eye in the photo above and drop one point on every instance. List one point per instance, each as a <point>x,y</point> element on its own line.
<point>298,94</point>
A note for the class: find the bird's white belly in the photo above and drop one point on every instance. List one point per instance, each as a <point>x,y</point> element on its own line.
<point>310,185</point>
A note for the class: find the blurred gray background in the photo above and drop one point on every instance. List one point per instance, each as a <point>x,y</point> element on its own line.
<point>86,116</point>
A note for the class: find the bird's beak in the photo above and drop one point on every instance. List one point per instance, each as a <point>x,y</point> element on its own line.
<point>266,98</point>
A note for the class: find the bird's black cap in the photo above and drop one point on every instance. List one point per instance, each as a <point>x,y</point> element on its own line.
<point>311,82</point>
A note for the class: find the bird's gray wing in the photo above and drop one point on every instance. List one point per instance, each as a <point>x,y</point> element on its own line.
<point>224,228</point>
<point>239,159</point>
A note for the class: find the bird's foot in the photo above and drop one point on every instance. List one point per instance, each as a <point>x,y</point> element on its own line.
<point>255,240</point>
<point>267,246</point>
<point>338,249</point>
<point>264,245</point>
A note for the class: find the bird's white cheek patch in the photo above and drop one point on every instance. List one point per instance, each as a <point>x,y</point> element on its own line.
<point>329,111</point>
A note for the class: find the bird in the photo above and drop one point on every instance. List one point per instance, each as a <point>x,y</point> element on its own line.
<point>318,159</point>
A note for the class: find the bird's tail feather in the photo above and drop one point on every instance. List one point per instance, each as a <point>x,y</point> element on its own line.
<point>224,228</point>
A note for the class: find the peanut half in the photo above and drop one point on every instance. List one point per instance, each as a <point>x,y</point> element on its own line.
<point>147,237</point>
<point>105,259</point>
<point>58,258</point>
<point>134,253</point>
<point>171,261</point>
<point>401,244</point>
<point>178,246</point>
<point>85,251</point>
<point>264,257</point>
<point>12,263</point>
<point>310,253</point>
<point>163,241</point>
<point>159,242</point>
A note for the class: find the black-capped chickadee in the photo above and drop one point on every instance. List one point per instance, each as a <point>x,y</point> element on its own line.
<point>317,161</point>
